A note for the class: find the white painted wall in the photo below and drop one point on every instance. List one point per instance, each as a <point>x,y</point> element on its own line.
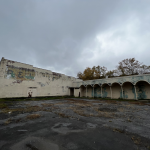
<point>45,83</point>
<point>116,91</point>
<point>76,92</point>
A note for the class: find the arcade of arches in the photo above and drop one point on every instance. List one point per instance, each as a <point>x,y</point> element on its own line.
<point>141,90</point>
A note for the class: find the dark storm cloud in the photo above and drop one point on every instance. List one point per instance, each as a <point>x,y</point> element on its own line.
<point>67,36</point>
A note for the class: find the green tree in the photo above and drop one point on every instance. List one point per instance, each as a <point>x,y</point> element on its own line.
<point>92,73</point>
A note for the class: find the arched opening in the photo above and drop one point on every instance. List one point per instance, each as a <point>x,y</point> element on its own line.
<point>116,91</point>
<point>89,91</point>
<point>97,91</point>
<point>143,90</point>
<point>128,91</point>
<point>82,91</point>
<point>106,91</point>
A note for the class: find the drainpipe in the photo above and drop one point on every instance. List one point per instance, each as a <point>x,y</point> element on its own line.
<point>135,92</point>
<point>122,90</point>
<point>111,92</point>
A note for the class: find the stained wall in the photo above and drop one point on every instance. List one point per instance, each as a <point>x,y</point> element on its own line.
<point>19,80</point>
<point>127,87</point>
<point>22,80</point>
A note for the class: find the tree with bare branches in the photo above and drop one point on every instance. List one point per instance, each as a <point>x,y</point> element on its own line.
<point>129,66</point>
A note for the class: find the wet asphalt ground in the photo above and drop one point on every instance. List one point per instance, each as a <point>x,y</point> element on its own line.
<point>75,124</point>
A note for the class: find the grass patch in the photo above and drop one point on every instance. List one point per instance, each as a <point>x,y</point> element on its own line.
<point>33,116</point>
<point>62,115</point>
<point>34,98</point>
<point>138,103</point>
<point>23,110</point>
<point>118,130</point>
<point>47,105</point>
<point>136,140</point>
<point>8,121</point>
<point>81,113</point>
<point>3,105</point>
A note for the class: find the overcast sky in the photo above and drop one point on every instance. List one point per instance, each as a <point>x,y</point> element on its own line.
<point>66,36</point>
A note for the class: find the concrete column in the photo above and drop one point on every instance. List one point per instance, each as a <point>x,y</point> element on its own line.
<point>86,91</point>
<point>122,91</point>
<point>73,91</point>
<point>135,92</point>
<point>101,92</point>
<point>69,91</point>
<point>93,91</point>
<point>111,92</point>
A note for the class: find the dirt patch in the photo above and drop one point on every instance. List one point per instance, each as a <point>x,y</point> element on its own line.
<point>3,105</point>
<point>23,110</point>
<point>47,105</point>
<point>8,121</point>
<point>107,109</point>
<point>33,116</point>
<point>139,103</point>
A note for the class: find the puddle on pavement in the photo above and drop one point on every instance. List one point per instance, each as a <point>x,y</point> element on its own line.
<point>91,125</point>
<point>35,143</point>
<point>64,128</point>
<point>71,146</point>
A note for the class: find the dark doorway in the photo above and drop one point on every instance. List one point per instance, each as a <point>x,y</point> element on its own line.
<point>71,91</point>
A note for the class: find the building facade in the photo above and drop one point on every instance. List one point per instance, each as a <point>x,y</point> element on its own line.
<point>23,80</point>
<point>128,87</point>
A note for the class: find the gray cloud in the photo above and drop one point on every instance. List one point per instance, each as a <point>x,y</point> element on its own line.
<point>68,36</point>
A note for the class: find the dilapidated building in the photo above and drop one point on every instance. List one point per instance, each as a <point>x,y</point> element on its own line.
<point>127,87</point>
<point>23,80</point>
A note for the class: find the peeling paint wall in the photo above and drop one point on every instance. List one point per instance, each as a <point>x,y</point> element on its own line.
<point>83,91</point>
<point>143,90</point>
<point>18,73</point>
<point>76,92</point>
<point>128,91</point>
<point>116,91</point>
<point>97,91</point>
<point>128,84</point>
<point>89,91</point>
<point>106,91</point>
<point>19,79</point>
